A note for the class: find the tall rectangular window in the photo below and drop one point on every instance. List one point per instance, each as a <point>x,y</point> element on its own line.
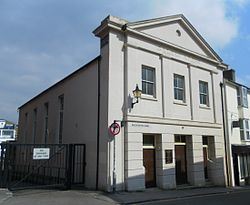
<point>242,96</point>
<point>34,124</point>
<point>148,80</point>
<point>61,109</point>
<point>244,129</point>
<point>239,96</point>
<point>179,87</point>
<point>203,88</point>
<point>46,119</point>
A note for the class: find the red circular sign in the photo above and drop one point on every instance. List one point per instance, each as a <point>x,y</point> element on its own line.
<point>114,128</point>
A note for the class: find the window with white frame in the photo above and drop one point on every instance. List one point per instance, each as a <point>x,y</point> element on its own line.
<point>242,97</point>
<point>179,87</point>
<point>203,88</point>
<point>244,165</point>
<point>244,129</point>
<point>148,80</point>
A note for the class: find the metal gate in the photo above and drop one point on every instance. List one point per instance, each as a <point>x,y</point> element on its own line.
<point>42,165</point>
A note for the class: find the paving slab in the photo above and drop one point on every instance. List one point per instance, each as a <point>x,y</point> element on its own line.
<point>54,197</point>
<point>156,194</point>
<point>4,195</point>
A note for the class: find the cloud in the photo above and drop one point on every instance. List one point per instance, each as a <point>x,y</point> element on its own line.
<point>240,3</point>
<point>210,18</point>
<point>43,41</point>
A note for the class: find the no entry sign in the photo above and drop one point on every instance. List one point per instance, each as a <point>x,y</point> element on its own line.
<point>114,128</point>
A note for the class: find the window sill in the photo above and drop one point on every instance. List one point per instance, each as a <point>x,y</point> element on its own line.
<point>179,102</point>
<point>205,107</point>
<point>148,97</point>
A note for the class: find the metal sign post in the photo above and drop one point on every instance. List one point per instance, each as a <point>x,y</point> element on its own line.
<point>114,173</point>
<point>114,129</point>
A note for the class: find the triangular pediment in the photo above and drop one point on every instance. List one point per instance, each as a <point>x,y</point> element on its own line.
<point>178,31</point>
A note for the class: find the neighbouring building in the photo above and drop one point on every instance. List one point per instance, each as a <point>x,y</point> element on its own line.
<point>7,131</point>
<point>237,115</point>
<point>172,135</point>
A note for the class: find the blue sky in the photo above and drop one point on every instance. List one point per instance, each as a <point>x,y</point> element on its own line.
<point>43,41</point>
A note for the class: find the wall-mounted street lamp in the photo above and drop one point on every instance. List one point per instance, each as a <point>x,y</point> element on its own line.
<point>137,94</point>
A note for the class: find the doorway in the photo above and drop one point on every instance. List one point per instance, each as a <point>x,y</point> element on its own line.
<point>236,170</point>
<point>180,160</point>
<point>149,164</point>
<point>149,160</point>
<point>205,159</point>
<point>180,164</point>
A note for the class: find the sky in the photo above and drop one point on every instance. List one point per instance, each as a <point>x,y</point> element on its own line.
<point>42,41</point>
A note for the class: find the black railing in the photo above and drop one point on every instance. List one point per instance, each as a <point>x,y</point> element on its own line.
<point>22,168</point>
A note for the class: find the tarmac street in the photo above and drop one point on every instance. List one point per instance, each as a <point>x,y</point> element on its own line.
<point>235,198</point>
<point>191,195</point>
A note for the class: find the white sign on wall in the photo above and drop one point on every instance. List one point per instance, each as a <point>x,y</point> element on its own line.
<point>41,153</point>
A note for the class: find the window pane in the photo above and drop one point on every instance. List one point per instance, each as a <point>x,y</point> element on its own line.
<point>246,124</point>
<point>241,124</point>
<point>247,135</point>
<point>244,94</point>
<point>150,75</point>
<point>144,88</point>
<point>242,136</point>
<point>150,88</point>
<point>148,140</point>
<point>180,95</point>
<point>239,96</point>
<point>242,170</point>
<point>181,82</point>
<point>8,134</point>
<point>175,81</point>
<point>143,74</point>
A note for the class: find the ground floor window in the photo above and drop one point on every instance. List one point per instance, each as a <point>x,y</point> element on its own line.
<point>244,165</point>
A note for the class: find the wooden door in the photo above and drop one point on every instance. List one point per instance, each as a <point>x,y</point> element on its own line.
<point>180,164</point>
<point>149,164</point>
<point>205,157</point>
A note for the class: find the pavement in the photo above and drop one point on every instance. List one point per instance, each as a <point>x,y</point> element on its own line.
<point>88,197</point>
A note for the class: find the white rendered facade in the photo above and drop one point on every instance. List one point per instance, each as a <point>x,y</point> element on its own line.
<point>237,113</point>
<point>179,110</point>
<point>7,131</point>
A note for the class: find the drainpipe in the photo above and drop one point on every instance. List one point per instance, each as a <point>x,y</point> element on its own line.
<point>125,98</point>
<point>98,125</point>
<point>224,114</point>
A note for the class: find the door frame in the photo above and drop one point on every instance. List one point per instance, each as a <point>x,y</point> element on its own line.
<point>150,147</point>
<point>181,144</point>
<point>154,167</point>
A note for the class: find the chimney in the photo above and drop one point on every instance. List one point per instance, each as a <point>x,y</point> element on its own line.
<point>229,75</point>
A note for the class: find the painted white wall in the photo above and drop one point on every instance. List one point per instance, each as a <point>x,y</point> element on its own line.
<point>80,116</point>
<point>168,33</point>
<point>234,113</point>
<point>160,113</point>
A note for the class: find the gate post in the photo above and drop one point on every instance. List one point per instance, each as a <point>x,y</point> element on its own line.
<point>1,165</point>
<point>5,156</point>
<point>69,164</point>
